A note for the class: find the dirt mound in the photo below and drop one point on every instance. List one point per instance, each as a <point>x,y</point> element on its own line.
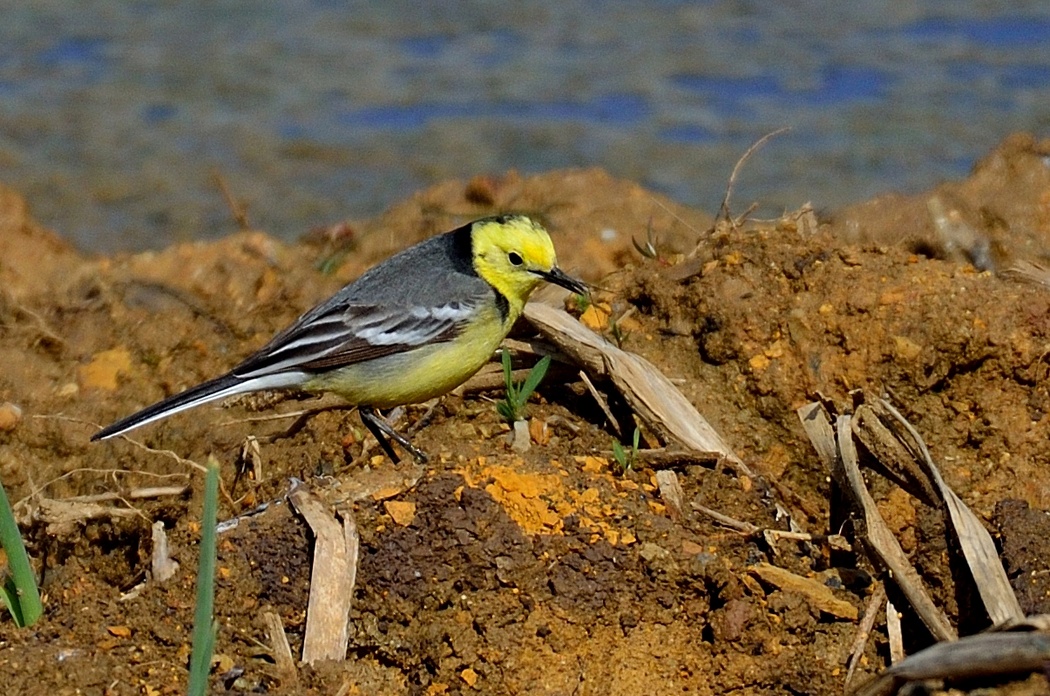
<point>550,571</point>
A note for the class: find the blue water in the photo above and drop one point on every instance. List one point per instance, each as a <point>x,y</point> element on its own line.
<point>116,116</point>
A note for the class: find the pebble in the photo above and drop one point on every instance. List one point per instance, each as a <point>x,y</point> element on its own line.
<point>10,416</point>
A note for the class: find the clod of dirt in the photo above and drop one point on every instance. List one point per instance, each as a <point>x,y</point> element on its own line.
<point>1025,535</point>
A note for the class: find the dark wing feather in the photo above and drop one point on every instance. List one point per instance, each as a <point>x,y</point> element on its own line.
<point>423,331</point>
<point>352,334</point>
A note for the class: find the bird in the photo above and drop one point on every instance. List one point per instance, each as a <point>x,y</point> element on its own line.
<point>411,328</point>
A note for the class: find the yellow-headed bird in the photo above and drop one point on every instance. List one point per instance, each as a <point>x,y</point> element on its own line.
<point>411,328</point>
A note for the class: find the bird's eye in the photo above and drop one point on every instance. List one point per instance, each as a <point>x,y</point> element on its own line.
<point>514,258</point>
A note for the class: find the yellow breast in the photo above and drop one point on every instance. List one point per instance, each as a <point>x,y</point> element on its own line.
<point>421,373</point>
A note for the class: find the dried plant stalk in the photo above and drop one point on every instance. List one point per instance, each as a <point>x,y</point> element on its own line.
<point>650,394</point>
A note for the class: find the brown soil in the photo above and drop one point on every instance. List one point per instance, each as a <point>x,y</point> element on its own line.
<point>549,572</point>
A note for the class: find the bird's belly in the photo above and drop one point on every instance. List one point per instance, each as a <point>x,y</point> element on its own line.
<point>415,376</point>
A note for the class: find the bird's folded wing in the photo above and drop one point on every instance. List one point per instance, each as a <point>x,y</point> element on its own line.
<point>349,334</point>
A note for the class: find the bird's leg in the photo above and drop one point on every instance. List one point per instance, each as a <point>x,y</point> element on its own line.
<point>382,431</point>
<point>377,426</point>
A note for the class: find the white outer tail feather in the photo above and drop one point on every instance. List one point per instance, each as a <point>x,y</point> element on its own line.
<point>282,380</point>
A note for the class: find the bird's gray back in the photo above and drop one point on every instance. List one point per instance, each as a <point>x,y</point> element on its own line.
<point>429,273</point>
<point>432,273</point>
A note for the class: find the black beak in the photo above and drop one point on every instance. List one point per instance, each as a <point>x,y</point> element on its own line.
<point>559,277</point>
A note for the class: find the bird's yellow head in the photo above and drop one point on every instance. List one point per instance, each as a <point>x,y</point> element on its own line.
<point>514,254</point>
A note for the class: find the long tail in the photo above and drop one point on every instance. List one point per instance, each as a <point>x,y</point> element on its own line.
<point>219,388</point>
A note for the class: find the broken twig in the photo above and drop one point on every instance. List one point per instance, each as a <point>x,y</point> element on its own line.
<point>723,210</point>
<point>871,612</point>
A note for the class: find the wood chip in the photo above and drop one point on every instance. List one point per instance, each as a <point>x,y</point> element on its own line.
<point>816,593</point>
<point>282,652</point>
<point>332,579</point>
<point>162,565</point>
<point>894,632</point>
<point>671,492</point>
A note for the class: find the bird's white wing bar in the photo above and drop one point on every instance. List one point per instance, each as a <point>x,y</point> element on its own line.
<point>421,325</point>
<point>356,334</point>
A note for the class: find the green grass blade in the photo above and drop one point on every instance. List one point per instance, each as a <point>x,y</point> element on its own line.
<point>583,303</point>
<point>20,593</point>
<point>203,626</point>
<point>619,455</point>
<point>536,375</point>
<point>509,407</point>
<point>9,594</point>
<point>508,374</point>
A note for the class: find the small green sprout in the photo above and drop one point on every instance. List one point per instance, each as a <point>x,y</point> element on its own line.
<point>203,621</point>
<point>512,408</point>
<point>19,591</point>
<point>582,302</point>
<point>626,458</point>
<point>329,264</point>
